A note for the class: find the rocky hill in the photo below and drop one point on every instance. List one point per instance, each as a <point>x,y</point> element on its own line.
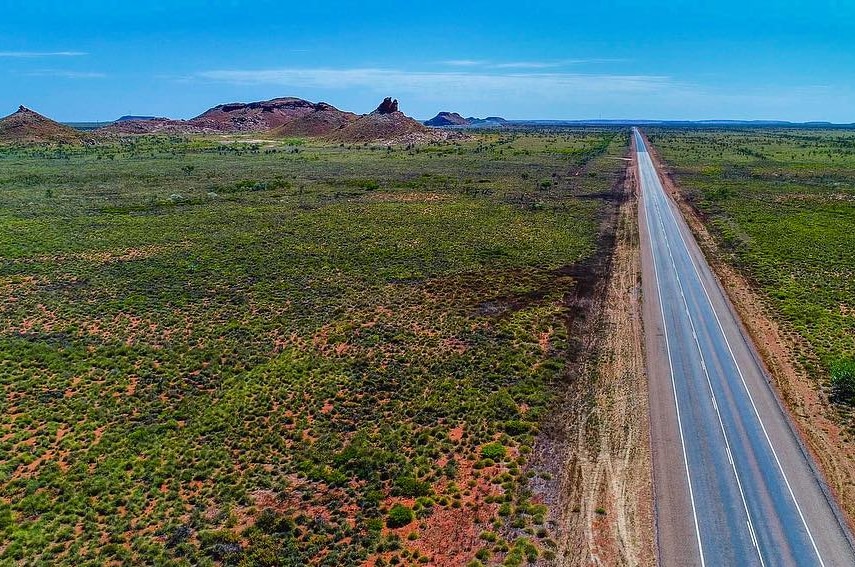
<point>257,116</point>
<point>239,117</point>
<point>286,117</point>
<point>27,126</point>
<point>324,120</point>
<point>387,124</point>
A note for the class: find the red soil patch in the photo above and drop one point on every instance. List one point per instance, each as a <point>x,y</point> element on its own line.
<point>456,433</point>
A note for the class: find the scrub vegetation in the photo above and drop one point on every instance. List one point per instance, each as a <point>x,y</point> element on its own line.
<point>781,204</point>
<point>290,353</point>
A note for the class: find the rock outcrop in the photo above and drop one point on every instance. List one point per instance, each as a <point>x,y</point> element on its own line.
<point>388,106</point>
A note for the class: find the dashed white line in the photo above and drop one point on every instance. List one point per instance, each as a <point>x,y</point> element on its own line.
<point>709,384</point>
<point>674,384</point>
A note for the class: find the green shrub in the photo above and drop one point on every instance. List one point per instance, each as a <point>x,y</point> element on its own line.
<point>6,519</point>
<point>212,537</point>
<point>399,516</point>
<point>410,486</point>
<point>843,381</point>
<point>493,451</point>
<point>502,405</point>
<point>517,427</point>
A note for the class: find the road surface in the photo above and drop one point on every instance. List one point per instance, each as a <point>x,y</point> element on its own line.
<point>733,485</point>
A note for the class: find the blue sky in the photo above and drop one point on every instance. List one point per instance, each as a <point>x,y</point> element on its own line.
<point>738,59</point>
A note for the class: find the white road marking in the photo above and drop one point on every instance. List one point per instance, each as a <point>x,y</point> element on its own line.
<point>673,381</point>
<point>709,383</point>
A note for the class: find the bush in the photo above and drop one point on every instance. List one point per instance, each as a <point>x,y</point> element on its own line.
<point>843,381</point>
<point>494,451</point>
<point>517,427</point>
<point>6,519</point>
<point>272,522</point>
<point>412,487</point>
<point>399,516</point>
<point>212,537</point>
<point>502,405</point>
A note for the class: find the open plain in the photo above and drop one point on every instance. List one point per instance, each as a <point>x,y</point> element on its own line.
<point>288,352</point>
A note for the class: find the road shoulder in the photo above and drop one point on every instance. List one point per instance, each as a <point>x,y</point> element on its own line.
<point>598,451</point>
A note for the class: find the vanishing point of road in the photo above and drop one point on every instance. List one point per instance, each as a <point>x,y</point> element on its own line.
<point>733,484</point>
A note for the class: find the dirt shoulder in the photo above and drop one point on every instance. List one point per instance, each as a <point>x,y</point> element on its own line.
<point>812,414</point>
<point>598,440</point>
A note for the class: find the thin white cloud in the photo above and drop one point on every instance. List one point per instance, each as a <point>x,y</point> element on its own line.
<point>551,64</point>
<point>37,54</point>
<point>473,84</point>
<point>464,62</point>
<point>529,65</point>
<point>63,74</point>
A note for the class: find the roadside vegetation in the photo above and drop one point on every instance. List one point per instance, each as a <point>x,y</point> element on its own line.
<point>285,353</point>
<point>781,204</point>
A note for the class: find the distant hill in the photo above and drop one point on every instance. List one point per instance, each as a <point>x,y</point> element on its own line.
<point>27,126</point>
<point>148,126</point>
<point>447,119</point>
<point>131,117</point>
<point>489,121</point>
<point>444,119</point>
<point>85,126</point>
<point>681,123</point>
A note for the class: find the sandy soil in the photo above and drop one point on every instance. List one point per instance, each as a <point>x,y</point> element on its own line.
<point>809,408</point>
<point>605,511</point>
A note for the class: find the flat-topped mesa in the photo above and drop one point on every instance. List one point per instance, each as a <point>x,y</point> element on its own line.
<point>388,106</point>
<point>283,103</point>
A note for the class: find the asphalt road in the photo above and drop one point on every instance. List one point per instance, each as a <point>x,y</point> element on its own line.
<point>733,485</point>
